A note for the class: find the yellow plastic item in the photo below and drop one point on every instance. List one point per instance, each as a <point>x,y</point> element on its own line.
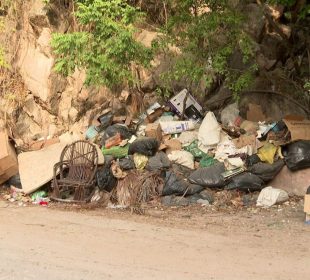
<point>267,153</point>
<point>140,161</point>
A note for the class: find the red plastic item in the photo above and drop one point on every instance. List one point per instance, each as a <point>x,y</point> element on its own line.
<point>113,141</point>
<point>43,203</point>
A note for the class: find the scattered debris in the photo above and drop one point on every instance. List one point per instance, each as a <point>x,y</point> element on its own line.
<point>174,157</point>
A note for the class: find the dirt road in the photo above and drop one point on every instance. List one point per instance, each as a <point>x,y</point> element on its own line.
<point>40,243</point>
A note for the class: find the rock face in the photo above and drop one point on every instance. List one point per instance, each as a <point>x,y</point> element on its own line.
<point>295,183</point>
<point>37,76</point>
<point>52,104</point>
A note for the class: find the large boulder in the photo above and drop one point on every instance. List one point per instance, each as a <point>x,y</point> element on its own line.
<point>295,183</point>
<point>255,23</point>
<point>35,69</point>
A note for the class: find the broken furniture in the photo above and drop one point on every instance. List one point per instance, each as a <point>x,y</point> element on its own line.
<point>77,168</point>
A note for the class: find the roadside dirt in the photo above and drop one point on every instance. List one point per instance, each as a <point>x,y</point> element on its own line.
<point>165,243</point>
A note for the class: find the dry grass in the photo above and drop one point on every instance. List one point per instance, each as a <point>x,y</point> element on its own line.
<point>138,188</point>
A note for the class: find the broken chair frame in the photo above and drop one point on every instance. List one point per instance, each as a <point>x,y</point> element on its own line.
<point>75,172</point>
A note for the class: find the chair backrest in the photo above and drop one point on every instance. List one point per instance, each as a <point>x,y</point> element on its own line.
<point>82,159</point>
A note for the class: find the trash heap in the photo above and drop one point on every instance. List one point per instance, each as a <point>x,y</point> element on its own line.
<point>177,153</point>
<point>187,159</point>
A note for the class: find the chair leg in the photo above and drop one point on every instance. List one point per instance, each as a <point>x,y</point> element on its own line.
<point>79,193</point>
<point>56,191</point>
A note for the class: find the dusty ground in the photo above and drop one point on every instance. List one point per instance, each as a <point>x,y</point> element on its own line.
<point>165,243</point>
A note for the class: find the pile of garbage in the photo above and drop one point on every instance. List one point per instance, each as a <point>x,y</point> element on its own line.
<point>173,153</point>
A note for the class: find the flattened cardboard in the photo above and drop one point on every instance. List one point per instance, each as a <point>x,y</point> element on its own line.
<point>300,129</point>
<point>245,140</point>
<point>154,130</point>
<point>36,168</point>
<point>8,159</point>
<point>307,204</point>
<point>173,145</point>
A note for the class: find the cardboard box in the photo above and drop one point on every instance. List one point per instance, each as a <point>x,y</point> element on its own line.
<point>300,129</point>
<point>307,204</point>
<point>192,108</point>
<point>8,158</point>
<point>154,130</point>
<point>173,144</point>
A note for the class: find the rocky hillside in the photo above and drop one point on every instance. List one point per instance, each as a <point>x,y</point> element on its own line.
<point>36,102</point>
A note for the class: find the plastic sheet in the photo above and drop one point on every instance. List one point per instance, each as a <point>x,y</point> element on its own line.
<point>140,161</point>
<point>117,152</point>
<point>207,161</point>
<point>267,153</point>
<point>194,150</point>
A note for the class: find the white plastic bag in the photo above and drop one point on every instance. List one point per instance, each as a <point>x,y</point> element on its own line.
<point>182,157</point>
<point>270,196</point>
<point>209,131</point>
<point>187,137</point>
<point>229,114</point>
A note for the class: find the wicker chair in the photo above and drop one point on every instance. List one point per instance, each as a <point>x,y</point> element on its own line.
<point>74,175</point>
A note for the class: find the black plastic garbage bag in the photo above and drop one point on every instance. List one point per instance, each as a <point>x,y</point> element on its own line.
<point>194,198</point>
<point>297,155</point>
<point>251,160</point>
<point>173,200</point>
<point>175,184</point>
<point>14,181</point>
<point>127,163</point>
<point>159,161</point>
<point>113,130</point>
<point>104,176</point>
<point>266,171</point>
<point>145,146</point>
<point>246,182</point>
<point>209,176</point>
<point>181,169</point>
<point>207,194</point>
